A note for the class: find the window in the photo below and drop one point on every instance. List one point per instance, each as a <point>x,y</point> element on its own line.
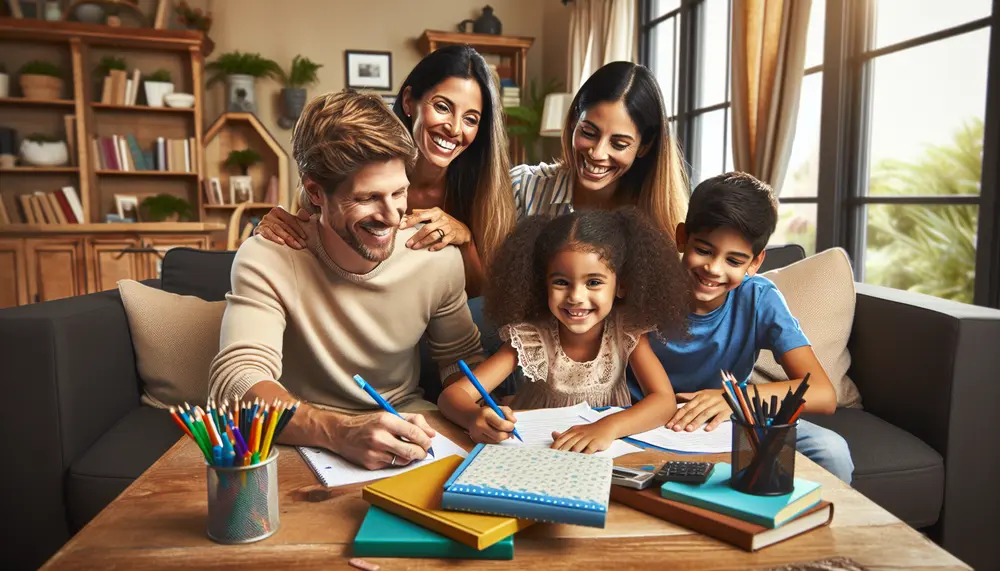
<point>923,143</point>
<point>887,158</point>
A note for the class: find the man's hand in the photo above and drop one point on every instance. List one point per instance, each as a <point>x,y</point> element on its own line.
<point>701,407</point>
<point>373,440</point>
<point>490,428</point>
<point>586,438</point>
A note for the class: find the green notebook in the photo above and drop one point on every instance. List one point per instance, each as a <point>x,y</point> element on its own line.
<point>383,534</point>
<point>767,511</point>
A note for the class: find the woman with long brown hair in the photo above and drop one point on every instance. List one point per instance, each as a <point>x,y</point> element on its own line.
<point>460,186</point>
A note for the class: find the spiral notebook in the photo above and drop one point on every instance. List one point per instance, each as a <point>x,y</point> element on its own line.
<point>532,483</point>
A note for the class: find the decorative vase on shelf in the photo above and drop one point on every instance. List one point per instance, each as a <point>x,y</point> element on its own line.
<point>294,99</point>
<point>486,23</point>
<point>41,86</point>
<point>155,90</point>
<point>241,96</point>
<point>53,13</point>
<point>44,154</point>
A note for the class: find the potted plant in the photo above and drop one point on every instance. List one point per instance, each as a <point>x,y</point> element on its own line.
<point>44,151</point>
<point>41,80</point>
<point>241,70</point>
<point>157,84</point>
<point>240,187</point>
<point>109,63</point>
<point>193,18</point>
<point>242,160</point>
<point>165,208</point>
<point>302,74</point>
<point>526,120</point>
<point>4,82</point>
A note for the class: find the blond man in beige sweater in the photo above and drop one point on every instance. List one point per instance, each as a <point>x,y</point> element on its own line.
<point>300,324</point>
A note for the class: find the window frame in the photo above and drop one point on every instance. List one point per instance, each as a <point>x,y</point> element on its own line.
<point>841,199</point>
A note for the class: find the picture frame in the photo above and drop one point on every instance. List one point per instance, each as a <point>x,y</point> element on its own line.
<point>127,206</point>
<point>368,70</point>
<point>240,189</point>
<point>215,188</point>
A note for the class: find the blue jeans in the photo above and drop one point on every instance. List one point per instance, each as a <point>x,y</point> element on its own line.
<point>826,448</point>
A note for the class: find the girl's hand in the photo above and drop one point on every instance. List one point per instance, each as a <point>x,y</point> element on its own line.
<point>490,428</point>
<point>586,438</point>
<point>280,227</point>
<point>440,229</point>
<point>701,407</point>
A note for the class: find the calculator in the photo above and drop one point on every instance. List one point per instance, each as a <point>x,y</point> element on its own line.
<point>631,478</point>
<point>684,472</point>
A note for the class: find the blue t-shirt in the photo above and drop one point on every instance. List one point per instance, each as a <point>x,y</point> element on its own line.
<point>753,317</point>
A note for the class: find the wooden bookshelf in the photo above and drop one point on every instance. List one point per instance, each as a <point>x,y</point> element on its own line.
<point>39,170</point>
<point>139,108</point>
<point>16,101</point>
<point>53,260</point>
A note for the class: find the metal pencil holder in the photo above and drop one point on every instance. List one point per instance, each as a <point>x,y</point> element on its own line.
<point>763,458</point>
<point>243,501</point>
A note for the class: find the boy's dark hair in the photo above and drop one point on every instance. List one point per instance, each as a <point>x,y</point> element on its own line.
<point>644,259</point>
<point>734,200</point>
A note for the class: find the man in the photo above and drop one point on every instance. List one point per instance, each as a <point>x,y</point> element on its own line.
<point>301,323</point>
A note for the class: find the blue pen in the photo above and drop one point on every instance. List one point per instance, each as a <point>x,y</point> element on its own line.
<point>381,401</point>
<point>482,391</point>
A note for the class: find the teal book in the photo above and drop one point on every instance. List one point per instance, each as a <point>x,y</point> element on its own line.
<point>766,511</point>
<point>383,534</point>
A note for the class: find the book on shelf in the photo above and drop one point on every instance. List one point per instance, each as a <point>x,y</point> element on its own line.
<point>121,88</point>
<point>124,153</point>
<point>60,206</point>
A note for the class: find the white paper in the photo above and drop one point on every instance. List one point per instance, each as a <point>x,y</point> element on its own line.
<point>536,427</point>
<point>697,441</point>
<point>334,471</point>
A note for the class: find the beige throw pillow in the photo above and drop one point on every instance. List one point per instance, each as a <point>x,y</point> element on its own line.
<point>820,294</point>
<point>175,338</point>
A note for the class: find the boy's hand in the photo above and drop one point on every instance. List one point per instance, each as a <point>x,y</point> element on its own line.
<point>490,428</point>
<point>701,407</point>
<point>586,438</point>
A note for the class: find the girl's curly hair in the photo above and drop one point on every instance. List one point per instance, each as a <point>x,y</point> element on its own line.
<point>644,259</point>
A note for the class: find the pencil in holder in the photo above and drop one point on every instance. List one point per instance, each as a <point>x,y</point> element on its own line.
<point>243,501</point>
<point>763,458</point>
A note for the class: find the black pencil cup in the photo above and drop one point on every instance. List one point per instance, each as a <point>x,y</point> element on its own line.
<point>763,459</point>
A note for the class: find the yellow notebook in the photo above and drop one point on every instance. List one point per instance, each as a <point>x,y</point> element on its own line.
<point>416,496</point>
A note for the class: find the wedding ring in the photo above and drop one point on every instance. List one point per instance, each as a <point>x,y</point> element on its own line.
<point>440,234</point>
<point>393,462</point>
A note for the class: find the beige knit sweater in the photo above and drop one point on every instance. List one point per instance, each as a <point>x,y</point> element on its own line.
<point>295,317</point>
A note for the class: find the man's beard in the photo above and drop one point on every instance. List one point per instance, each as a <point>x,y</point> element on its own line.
<point>351,238</point>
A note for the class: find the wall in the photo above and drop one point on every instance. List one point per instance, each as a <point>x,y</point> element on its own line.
<point>323,29</point>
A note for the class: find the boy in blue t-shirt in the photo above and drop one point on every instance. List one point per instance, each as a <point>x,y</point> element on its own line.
<point>736,314</point>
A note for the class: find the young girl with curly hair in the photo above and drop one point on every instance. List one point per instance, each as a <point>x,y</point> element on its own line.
<point>576,297</point>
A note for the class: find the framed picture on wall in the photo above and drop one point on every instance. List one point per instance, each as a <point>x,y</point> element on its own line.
<point>369,70</point>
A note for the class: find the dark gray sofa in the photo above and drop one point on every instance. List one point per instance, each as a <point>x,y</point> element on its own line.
<point>926,369</point>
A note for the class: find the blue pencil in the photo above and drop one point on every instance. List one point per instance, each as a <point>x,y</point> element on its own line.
<point>381,402</point>
<point>482,391</point>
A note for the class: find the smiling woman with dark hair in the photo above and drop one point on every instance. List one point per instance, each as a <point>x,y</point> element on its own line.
<point>460,185</point>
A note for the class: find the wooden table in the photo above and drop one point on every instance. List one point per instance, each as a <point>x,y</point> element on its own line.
<point>160,521</point>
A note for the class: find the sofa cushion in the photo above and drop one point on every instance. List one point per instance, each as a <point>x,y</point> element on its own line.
<point>118,457</point>
<point>202,273</point>
<point>893,468</point>
<point>175,338</point>
<point>820,293</point>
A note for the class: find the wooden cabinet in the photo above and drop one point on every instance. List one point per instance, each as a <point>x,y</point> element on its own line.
<point>112,259</point>
<point>55,268</point>
<point>37,267</point>
<point>13,274</point>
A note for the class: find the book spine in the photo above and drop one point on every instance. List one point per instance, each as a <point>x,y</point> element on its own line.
<point>451,500</point>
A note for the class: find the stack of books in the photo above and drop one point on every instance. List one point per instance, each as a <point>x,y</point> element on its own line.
<point>120,87</point>
<point>715,509</point>
<point>510,96</point>
<point>471,508</point>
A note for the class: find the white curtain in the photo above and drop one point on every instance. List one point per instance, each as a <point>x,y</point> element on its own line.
<point>600,32</point>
